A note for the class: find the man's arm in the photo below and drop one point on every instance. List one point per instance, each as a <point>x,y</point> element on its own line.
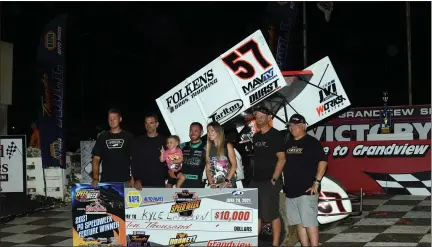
<point>279,164</point>
<point>322,161</point>
<point>280,153</point>
<point>322,167</point>
<point>95,167</point>
<point>97,153</point>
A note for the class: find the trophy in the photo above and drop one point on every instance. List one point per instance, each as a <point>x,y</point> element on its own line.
<point>385,117</point>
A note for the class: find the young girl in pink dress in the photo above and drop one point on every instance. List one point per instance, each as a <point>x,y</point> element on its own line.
<point>173,157</point>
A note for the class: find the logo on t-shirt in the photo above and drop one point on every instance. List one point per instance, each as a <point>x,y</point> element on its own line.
<point>294,150</point>
<point>114,143</point>
<point>261,144</point>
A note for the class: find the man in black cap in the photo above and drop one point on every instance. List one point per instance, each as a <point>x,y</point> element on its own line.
<point>269,160</point>
<point>305,166</point>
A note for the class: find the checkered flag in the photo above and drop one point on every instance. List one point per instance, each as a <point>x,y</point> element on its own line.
<point>11,149</point>
<point>418,183</point>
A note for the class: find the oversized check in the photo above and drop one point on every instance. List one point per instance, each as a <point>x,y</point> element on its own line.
<point>192,217</point>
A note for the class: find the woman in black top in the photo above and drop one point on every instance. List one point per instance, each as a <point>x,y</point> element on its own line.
<point>221,162</point>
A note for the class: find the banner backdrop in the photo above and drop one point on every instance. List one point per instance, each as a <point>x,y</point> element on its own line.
<point>13,164</point>
<point>51,78</point>
<point>394,167</point>
<point>356,123</point>
<point>98,215</point>
<point>201,217</point>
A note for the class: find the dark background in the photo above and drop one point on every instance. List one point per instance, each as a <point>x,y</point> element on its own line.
<point>126,55</point>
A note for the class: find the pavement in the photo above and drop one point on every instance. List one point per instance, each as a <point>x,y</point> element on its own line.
<point>386,221</point>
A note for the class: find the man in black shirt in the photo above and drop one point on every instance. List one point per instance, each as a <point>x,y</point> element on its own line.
<point>305,167</point>
<point>147,169</point>
<point>113,148</point>
<point>193,158</point>
<point>269,160</point>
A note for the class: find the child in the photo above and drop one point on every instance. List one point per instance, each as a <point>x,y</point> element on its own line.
<point>173,158</point>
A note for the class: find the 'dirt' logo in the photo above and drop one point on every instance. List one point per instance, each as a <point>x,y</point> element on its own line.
<point>133,199</point>
<point>182,240</point>
<point>185,203</point>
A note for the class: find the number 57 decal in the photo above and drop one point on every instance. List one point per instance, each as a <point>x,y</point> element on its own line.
<point>242,68</point>
<point>325,207</point>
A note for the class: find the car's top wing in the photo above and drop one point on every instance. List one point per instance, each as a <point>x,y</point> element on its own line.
<point>237,80</point>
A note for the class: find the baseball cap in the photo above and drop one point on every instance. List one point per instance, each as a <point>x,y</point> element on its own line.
<point>262,109</point>
<point>296,119</point>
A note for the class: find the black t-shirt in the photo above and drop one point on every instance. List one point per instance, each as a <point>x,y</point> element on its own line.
<point>146,165</point>
<point>266,146</point>
<point>302,158</point>
<point>193,164</point>
<point>115,152</point>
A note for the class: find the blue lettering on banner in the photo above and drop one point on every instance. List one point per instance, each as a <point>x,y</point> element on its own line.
<point>258,82</point>
<point>153,199</point>
<point>268,75</point>
<point>134,199</point>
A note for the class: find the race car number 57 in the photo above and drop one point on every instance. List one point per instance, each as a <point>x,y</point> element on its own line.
<point>242,68</point>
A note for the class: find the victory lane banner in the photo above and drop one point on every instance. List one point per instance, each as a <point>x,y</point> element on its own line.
<point>395,167</point>
<point>98,215</point>
<point>192,217</point>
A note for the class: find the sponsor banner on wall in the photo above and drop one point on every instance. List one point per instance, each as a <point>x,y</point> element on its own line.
<point>394,167</point>
<point>356,123</point>
<point>197,217</point>
<point>98,215</point>
<point>51,78</point>
<point>13,164</point>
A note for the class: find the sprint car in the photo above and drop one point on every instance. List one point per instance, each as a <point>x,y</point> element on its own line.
<point>227,89</point>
